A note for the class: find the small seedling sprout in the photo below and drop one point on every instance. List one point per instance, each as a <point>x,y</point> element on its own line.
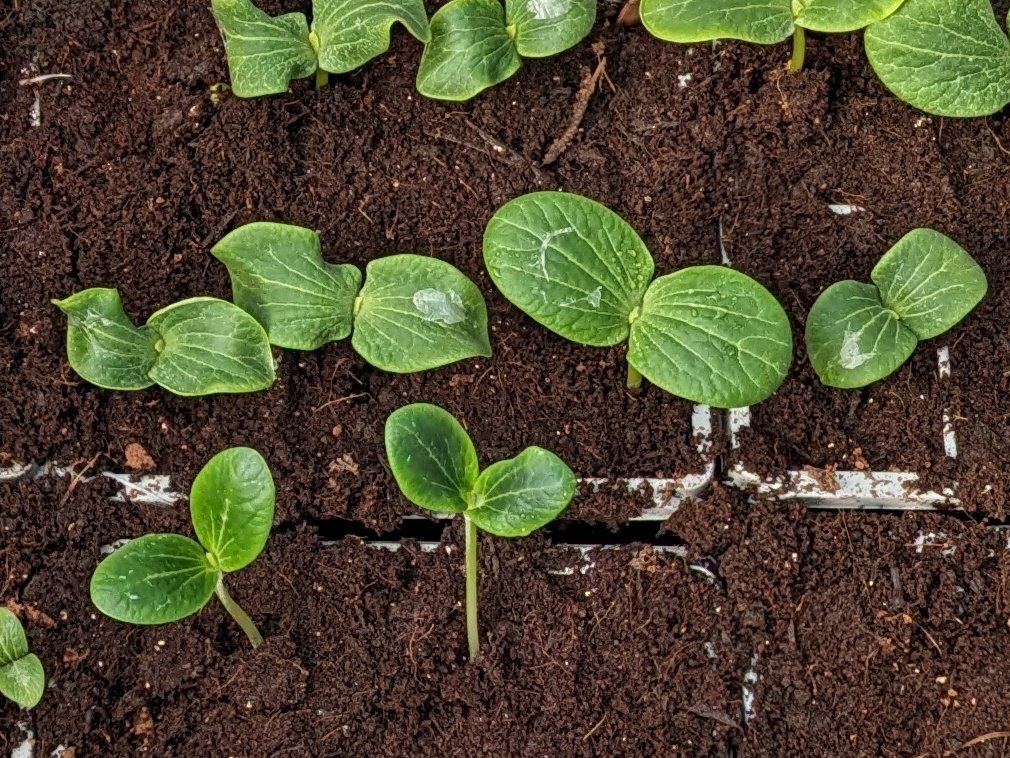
<point>22,679</point>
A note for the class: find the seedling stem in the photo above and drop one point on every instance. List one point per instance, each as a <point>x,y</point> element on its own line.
<point>240,616</point>
<point>472,625</point>
<point>634,378</point>
<point>799,49</point>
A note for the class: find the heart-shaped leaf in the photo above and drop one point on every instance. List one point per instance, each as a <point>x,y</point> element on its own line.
<point>264,53</point>
<point>929,281</point>
<point>548,27</point>
<point>103,345</point>
<point>279,276</point>
<point>947,57</point>
<point>763,21</point>
<point>352,32</point>
<point>232,507</point>
<point>208,345</point>
<point>835,16</point>
<point>22,679</point>
<point>417,313</point>
<point>470,49</point>
<point>569,263</point>
<point>432,457</point>
<point>154,579</point>
<point>514,497</point>
<point>712,335</point>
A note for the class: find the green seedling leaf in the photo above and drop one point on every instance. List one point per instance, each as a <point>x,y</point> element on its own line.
<point>103,345</point>
<point>432,457</point>
<point>514,497</point>
<point>712,335</point>
<point>929,281</point>
<point>232,507</point>
<point>946,57</point>
<point>278,275</point>
<point>570,264</point>
<point>207,346</point>
<point>547,27</point>
<point>417,313</point>
<point>22,679</point>
<point>837,16</point>
<point>352,32</point>
<point>264,53</point>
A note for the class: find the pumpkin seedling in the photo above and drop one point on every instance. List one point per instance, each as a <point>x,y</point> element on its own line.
<point>22,679</point>
<point>476,44</point>
<point>160,578</point>
<point>705,333</point>
<point>266,52</point>
<point>199,346</point>
<point>435,466</point>
<point>413,313</point>
<point>764,23</point>
<point>859,333</point>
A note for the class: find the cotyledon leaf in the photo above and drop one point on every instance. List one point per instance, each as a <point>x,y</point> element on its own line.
<point>946,57</point>
<point>835,16</point>
<point>853,339</point>
<point>279,276</point>
<point>23,681</point>
<point>548,27</point>
<point>929,281</point>
<point>762,21</point>
<point>352,32</point>
<point>569,263</point>
<point>264,53</point>
<point>711,335</point>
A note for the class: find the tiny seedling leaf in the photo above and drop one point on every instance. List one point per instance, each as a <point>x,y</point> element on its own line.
<point>712,335</point>
<point>279,276</point>
<point>231,504</point>
<point>547,27</point>
<point>22,679</point>
<point>264,53</point>
<point>352,32</point>
<point>514,497</point>
<point>417,313</point>
<point>432,457</point>
<point>569,263</point>
<point>946,57</point>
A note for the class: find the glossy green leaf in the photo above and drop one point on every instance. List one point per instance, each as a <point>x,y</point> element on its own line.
<point>22,679</point>
<point>154,579</point>
<point>841,15</point>
<point>231,503</point>
<point>352,32</point>
<point>761,21</point>
<point>264,53</point>
<point>417,313</point>
<point>853,339</point>
<point>516,496</point>
<point>470,50</point>
<point>432,457</point>
<point>548,27</point>
<point>569,263</point>
<point>103,345</point>
<point>947,57</point>
<point>929,281</point>
<point>208,345</point>
<point>712,335</point>
<point>279,276</point>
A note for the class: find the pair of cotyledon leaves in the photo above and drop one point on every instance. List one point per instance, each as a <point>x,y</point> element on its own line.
<point>160,578</point>
<point>22,679</point>
<point>858,333</point>
<point>947,57</point>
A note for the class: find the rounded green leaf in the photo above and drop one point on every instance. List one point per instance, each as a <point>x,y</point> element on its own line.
<point>417,313</point>
<point>853,339</point>
<point>352,32</point>
<point>569,263</point>
<point>431,456</point>
<point>516,496</point>
<point>548,27</point>
<point>761,21</point>
<point>154,579</point>
<point>208,345</point>
<point>835,16</point>
<point>930,281</point>
<point>103,345</point>
<point>278,275</point>
<point>23,681</point>
<point>947,57</point>
<point>712,335</point>
<point>264,53</point>
<point>231,503</point>
<point>470,50</point>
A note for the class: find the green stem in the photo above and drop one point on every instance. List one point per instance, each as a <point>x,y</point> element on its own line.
<point>799,49</point>
<point>240,616</point>
<point>322,77</point>
<point>634,378</point>
<point>472,625</point>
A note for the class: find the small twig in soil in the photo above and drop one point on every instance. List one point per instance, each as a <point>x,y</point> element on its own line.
<point>337,401</point>
<point>78,477</point>
<point>42,79</point>
<point>582,99</point>
<point>590,733</point>
<point>630,14</point>
<point>979,740</point>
